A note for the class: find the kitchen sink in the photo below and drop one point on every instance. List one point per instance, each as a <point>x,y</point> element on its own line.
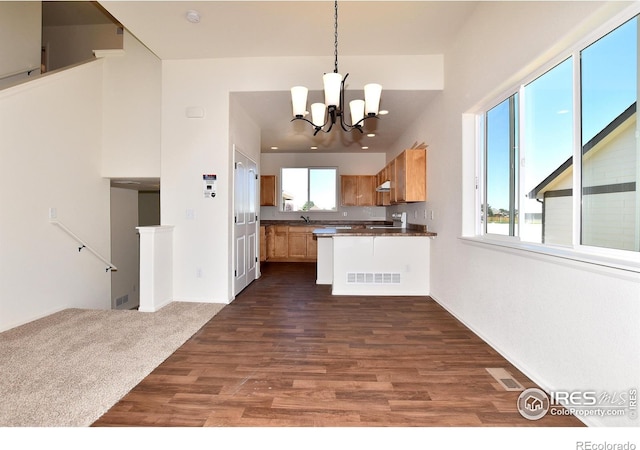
<point>339,227</point>
<point>376,227</point>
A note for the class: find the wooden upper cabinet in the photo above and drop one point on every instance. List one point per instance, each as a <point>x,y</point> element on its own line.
<point>383,198</point>
<point>358,190</point>
<point>410,177</point>
<point>391,176</point>
<point>267,190</point>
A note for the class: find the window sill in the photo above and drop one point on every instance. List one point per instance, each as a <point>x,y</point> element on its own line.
<point>598,258</point>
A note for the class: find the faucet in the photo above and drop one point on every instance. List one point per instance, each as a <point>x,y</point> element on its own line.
<point>306,219</point>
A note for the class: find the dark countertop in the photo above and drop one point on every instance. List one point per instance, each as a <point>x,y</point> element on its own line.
<point>324,223</point>
<point>399,232</point>
<point>328,228</point>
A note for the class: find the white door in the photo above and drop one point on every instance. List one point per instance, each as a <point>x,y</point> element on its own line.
<point>245,230</point>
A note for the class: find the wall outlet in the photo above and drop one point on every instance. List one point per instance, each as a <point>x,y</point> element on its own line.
<point>53,213</point>
<point>198,272</point>
<point>431,214</point>
<point>344,214</point>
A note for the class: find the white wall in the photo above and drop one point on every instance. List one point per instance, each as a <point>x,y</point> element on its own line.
<point>50,135</point>
<point>567,325</point>
<point>20,40</point>
<point>125,248</point>
<point>132,110</point>
<point>347,164</point>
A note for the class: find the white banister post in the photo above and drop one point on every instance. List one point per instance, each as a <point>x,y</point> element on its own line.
<point>156,267</point>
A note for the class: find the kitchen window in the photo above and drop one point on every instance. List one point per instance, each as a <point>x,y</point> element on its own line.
<point>559,155</point>
<point>309,189</point>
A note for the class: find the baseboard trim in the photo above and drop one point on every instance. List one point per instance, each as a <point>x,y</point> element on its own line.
<point>524,368</point>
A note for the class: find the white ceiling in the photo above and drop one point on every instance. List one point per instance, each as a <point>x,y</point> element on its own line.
<point>300,28</point>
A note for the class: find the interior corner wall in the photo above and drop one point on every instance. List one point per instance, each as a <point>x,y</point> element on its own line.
<point>567,325</point>
<point>132,112</point>
<point>50,139</point>
<point>192,147</point>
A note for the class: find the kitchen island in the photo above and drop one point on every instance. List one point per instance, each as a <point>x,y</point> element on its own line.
<point>374,261</point>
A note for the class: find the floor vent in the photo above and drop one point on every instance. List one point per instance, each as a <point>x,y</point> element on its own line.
<point>505,379</point>
<point>122,300</point>
<point>373,278</point>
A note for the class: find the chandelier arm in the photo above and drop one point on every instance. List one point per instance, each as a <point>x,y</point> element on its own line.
<point>361,121</point>
<point>317,128</point>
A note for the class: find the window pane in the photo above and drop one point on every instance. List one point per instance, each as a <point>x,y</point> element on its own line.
<point>499,209</point>
<point>322,189</point>
<point>309,189</point>
<point>547,209</point>
<point>295,184</point>
<point>609,149</point>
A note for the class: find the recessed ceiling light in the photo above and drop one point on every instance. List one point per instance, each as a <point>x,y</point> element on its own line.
<point>371,135</point>
<point>383,112</point>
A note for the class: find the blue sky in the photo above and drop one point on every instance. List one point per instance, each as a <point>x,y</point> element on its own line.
<point>609,86</point>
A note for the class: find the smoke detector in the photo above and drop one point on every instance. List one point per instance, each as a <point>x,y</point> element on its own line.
<point>193,16</point>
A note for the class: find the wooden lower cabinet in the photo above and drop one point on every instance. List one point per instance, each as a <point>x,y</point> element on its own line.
<point>263,243</point>
<point>291,243</point>
<point>277,242</point>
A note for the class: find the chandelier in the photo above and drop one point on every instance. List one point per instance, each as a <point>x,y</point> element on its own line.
<point>332,110</point>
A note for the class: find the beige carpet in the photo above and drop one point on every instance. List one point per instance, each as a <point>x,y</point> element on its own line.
<point>68,369</point>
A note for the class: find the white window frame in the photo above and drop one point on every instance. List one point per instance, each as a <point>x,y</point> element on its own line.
<point>309,169</point>
<point>474,141</point>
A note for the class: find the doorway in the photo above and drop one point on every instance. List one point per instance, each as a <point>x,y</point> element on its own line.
<point>245,228</point>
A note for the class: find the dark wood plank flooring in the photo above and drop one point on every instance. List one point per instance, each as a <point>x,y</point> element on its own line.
<point>288,353</point>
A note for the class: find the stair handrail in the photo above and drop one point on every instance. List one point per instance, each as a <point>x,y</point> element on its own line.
<point>20,72</point>
<point>83,245</point>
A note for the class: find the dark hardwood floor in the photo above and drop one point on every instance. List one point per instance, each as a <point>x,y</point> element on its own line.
<point>288,353</point>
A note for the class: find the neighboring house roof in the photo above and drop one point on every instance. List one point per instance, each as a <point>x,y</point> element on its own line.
<point>606,131</point>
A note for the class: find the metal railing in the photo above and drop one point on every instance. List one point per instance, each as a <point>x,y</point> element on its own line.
<point>83,245</point>
<point>15,74</point>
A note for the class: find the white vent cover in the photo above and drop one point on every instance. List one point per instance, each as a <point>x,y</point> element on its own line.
<point>373,278</point>
<point>506,380</point>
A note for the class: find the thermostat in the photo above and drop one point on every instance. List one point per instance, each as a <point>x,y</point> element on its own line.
<point>209,185</point>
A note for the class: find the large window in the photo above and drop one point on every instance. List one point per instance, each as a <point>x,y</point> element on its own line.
<point>500,208</point>
<point>540,151</point>
<point>309,189</point>
<point>609,144</point>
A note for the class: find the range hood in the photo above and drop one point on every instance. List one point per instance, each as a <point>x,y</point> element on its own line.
<point>384,187</point>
